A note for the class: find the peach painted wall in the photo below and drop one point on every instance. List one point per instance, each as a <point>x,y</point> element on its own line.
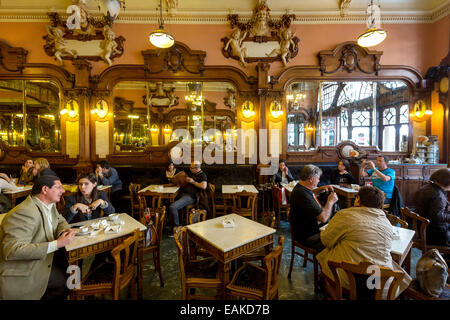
<point>416,45</point>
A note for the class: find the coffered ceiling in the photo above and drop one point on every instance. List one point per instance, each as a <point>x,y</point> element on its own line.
<point>215,11</point>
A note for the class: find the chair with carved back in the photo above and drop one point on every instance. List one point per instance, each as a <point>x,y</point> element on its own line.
<point>195,274</point>
<point>420,224</point>
<point>148,200</point>
<point>133,188</point>
<point>278,206</point>
<point>153,246</point>
<point>357,275</point>
<point>305,255</point>
<point>195,216</point>
<point>222,206</point>
<point>244,204</point>
<point>394,220</point>
<point>254,282</point>
<point>110,277</point>
<point>268,219</point>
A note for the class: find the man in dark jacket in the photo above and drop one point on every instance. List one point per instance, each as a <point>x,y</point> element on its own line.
<point>108,176</point>
<point>431,202</point>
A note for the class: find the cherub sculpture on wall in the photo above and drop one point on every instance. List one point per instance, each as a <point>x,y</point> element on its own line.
<point>55,36</point>
<point>230,99</point>
<point>286,36</point>
<point>235,42</point>
<point>109,44</point>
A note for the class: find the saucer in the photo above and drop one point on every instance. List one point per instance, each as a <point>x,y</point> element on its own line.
<point>81,234</point>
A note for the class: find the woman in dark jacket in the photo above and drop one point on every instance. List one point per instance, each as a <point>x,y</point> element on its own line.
<point>283,175</point>
<point>88,202</point>
<point>342,175</point>
<point>431,202</point>
<point>169,173</point>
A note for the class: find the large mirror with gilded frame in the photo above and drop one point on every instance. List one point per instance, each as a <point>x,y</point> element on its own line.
<point>148,113</point>
<point>30,114</point>
<point>369,113</point>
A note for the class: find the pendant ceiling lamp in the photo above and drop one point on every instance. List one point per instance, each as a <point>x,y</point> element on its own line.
<point>161,38</point>
<point>374,34</point>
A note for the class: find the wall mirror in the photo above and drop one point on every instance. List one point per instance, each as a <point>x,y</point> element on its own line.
<point>369,113</point>
<point>30,114</point>
<point>149,113</point>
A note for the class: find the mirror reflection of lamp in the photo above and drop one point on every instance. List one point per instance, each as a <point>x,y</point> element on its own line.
<point>101,108</point>
<point>167,129</point>
<point>154,128</point>
<point>248,110</point>
<point>70,108</point>
<point>276,109</point>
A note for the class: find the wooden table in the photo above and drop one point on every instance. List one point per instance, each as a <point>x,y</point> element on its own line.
<point>22,192</point>
<point>346,195</point>
<point>85,246</point>
<point>228,244</point>
<point>229,190</point>
<point>155,190</point>
<point>401,248</point>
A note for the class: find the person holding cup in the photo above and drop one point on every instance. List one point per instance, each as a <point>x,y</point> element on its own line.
<point>88,202</point>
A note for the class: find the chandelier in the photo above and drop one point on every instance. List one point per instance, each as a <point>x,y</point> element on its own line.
<point>194,94</point>
<point>374,34</point>
<point>161,38</point>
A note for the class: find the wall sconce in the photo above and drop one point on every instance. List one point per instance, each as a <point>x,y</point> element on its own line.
<point>154,128</point>
<point>276,109</point>
<point>248,110</point>
<point>71,108</point>
<point>421,109</point>
<point>111,8</point>
<point>167,129</point>
<point>101,108</point>
<point>309,128</point>
<point>132,116</point>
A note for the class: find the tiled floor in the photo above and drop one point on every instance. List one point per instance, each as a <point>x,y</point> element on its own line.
<point>299,287</point>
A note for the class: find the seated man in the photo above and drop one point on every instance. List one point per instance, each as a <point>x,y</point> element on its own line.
<point>382,176</point>
<point>108,176</point>
<point>359,233</point>
<point>189,192</point>
<point>306,212</point>
<point>31,266</point>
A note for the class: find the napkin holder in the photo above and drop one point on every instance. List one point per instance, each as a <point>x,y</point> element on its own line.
<point>396,233</point>
<point>228,223</point>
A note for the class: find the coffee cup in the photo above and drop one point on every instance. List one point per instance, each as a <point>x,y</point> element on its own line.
<point>84,229</point>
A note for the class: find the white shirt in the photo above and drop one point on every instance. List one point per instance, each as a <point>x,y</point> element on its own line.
<point>52,246</point>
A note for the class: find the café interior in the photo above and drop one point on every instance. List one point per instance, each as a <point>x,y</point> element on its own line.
<point>239,85</point>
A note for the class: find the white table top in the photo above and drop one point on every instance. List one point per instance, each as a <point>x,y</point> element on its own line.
<point>103,187</point>
<point>230,189</point>
<point>83,241</point>
<point>399,245</point>
<point>156,188</point>
<point>227,239</point>
<point>348,190</point>
<point>290,186</point>
<point>25,188</point>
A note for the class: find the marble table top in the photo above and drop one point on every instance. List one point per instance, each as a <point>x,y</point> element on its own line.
<point>230,189</point>
<point>159,188</point>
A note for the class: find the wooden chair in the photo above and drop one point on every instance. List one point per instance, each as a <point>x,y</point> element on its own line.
<point>222,206</point>
<point>420,224</point>
<point>253,282</point>
<point>394,220</point>
<point>357,274</point>
<point>148,200</point>
<point>111,277</point>
<point>195,274</point>
<point>278,206</point>
<point>244,204</point>
<point>134,201</point>
<point>414,292</point>
<point>159,215</point>
<point>268,219</point>
<point>195,216</point>
<point>305,255</point>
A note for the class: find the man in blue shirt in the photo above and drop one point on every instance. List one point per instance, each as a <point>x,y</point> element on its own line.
<point>382,176</point>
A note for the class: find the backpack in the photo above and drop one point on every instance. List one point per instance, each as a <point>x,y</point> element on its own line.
<point>431,273</point>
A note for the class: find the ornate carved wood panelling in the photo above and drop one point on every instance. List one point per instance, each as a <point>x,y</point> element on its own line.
<point>12,59</point>
<point>349,57</point>
<point>176,59</point>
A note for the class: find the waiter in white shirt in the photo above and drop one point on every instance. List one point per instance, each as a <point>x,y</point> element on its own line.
<point>31,234</point>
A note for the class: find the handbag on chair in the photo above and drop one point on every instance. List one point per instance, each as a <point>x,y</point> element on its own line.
<point>150,234</point>
<point>431,273</point>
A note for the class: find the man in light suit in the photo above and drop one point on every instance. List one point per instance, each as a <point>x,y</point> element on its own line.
<point>30,235</point>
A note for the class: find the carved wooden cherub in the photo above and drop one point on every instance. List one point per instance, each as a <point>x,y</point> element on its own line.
<point>286,36</point>
<point>56,37</point>
<point>108,45</point>
<point>235,41</point>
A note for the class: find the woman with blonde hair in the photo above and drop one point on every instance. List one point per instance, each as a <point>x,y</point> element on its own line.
<point>42,168</point>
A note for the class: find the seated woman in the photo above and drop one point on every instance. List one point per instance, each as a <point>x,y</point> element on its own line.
<point>26,173</point>
<point>342,175</point>
<point>88,202</point>
<point>283,176</point>
<point>42,168</point>
<point>171,171</point>
<point>431,202</point>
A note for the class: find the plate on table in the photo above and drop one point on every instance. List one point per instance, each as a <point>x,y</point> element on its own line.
<point>81,234</point>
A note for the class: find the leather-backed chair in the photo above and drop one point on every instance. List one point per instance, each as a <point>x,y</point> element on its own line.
<point>110,277</point>
<point>254,282</point>
<point>195,274</point>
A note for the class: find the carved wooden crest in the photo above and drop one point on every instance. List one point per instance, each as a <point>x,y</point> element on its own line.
<point>178,58</point>
<point>261,39</point>
<point>82,37</point>
<point>349,57</point>
<point>12,59</point>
